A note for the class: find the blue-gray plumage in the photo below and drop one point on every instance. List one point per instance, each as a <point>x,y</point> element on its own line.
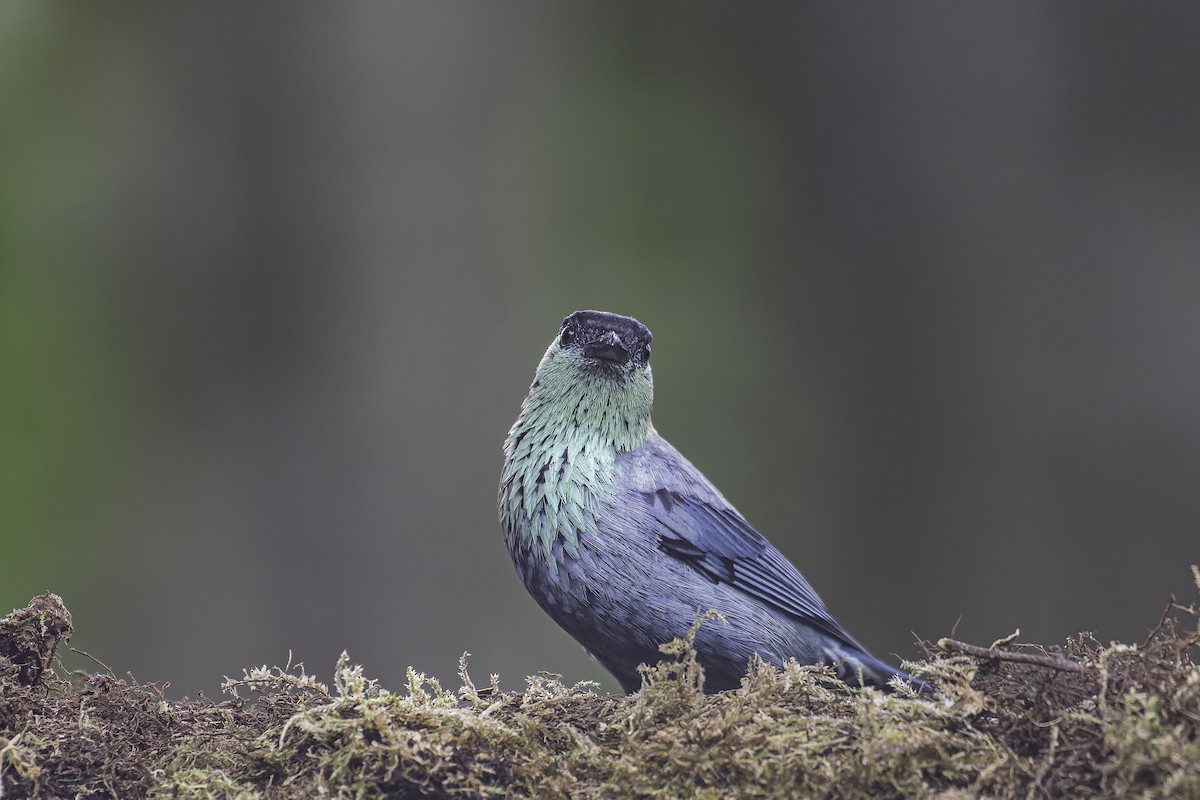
<point>621,540</point>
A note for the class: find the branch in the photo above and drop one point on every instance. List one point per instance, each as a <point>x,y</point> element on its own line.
<point>995,654</point>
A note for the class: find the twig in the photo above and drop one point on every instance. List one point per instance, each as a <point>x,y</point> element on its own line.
<point>91,657</point>
<point>994,654</point>
<point>1012,637</point>
<point>1162,622</point>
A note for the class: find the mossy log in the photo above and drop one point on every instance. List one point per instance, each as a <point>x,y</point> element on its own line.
<point>1010,720</point>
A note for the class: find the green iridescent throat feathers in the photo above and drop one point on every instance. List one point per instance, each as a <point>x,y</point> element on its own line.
<point>560,454</point>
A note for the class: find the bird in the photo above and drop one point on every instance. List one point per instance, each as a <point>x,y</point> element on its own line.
<point>623,542</point>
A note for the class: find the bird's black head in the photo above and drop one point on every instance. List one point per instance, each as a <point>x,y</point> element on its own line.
<point>594,381</point>
<point>609,341</point>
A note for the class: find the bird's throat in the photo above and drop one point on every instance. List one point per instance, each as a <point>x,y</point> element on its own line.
<point>559,462</point>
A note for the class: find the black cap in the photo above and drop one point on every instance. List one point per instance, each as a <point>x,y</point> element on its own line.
<point>609,337</point>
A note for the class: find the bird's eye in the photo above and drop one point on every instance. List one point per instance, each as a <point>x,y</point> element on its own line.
<point>645,354</point>
<point>567,336</point>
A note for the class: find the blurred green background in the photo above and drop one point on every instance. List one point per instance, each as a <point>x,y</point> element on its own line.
<point>274,278</point>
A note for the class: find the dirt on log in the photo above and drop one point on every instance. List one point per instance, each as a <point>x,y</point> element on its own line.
<point>1010,720</point>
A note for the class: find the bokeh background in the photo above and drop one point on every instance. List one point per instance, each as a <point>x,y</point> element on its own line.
<point>274,278</point>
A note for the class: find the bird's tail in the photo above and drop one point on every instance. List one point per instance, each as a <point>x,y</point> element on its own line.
<point>863,669</point>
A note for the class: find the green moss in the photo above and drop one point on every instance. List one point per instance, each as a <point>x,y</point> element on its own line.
<point>1125,724</point>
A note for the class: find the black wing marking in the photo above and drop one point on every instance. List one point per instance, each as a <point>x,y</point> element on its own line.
<point>719,544</point>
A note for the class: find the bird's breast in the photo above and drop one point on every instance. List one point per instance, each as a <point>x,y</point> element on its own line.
<point>551,491</point>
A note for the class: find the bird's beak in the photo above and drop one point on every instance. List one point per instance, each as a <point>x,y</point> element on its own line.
<point>607,348</point>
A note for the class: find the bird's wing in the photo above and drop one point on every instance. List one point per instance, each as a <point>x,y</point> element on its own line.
<point>719,544</point>
<point>695,525</point>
